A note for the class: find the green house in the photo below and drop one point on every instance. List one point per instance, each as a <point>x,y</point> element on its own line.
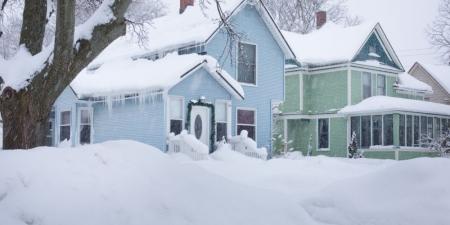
<point>347,80</point>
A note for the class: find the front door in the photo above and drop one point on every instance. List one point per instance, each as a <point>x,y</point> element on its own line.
<point>200,123</point>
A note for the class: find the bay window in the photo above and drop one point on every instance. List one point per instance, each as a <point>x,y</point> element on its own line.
<point>246,120</point>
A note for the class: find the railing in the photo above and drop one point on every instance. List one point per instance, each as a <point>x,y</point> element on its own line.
<point>187,144</point>
<point>245,145</point>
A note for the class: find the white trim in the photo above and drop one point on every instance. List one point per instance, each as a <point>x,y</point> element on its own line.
<point>256,63</point>
<point>58,135</point>
<point>78,124</point>
<point>318,138</point>
<point>311,117</point>
<point>183,110</point>
<point>228,105</point>
<point>256,121</point>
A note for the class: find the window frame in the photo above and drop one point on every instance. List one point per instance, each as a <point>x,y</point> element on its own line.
<point>318,135</point>
<point>227,115</point>
<point>364,73</point>
<point>63,125</point>
<point>169,118</point>
<point>91,114</point>
<point>256,63</point>
<point>384,85</point>
<point>241,124</point>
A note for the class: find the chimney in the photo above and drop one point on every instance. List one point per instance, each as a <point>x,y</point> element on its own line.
<point>321,18</point>
<point>184,4</point>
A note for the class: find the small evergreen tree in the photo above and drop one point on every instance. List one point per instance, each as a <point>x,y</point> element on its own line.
<point>353,148</point>
<point>309,152</point>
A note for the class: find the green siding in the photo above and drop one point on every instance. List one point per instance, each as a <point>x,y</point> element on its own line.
<point>356,87</point>
<point>380,154</point>
<point>325,92</point>
<point>299,132</point>
<point>292,103</point>
<point>404,155</point>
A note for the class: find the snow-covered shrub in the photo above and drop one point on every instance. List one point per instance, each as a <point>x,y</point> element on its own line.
<point>247,146</point>
<point>353,151</point>
<point>440,144</point>
<point>187,144</point>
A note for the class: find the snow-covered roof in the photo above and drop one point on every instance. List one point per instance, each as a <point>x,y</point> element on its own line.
<point>128,76</point>
<point>441,73</point>
<point>195,26</point>
<point>333,43</point>
<point>380,104</point>
<point>410,83</point>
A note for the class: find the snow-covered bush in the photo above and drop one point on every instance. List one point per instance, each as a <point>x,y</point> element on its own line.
<point>353,151</point>
<point>187,144</point>
<point>440,144</point>
<point>247,146</point>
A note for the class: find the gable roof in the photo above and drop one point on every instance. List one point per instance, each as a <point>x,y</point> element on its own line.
<point>127,76</point>
<point>440,73</point>
<point>335,44</point>
<point>407,82</point>
<point>197,25</point>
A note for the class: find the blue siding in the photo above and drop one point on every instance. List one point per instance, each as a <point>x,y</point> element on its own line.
<point>270,69</point>
<point>66,102</point>
<point>131,120</point>
<point>198,84</point>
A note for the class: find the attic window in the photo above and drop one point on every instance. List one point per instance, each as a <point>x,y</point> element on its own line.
<point>373,52</point>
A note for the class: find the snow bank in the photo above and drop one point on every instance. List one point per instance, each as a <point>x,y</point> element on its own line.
<point>128,183</point>
<point>379,104</point>
<point>128,76</point>
<point>408,82</point>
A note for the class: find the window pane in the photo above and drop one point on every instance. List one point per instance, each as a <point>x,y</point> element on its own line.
<point>376,130</point>
<point>367,85</point>
<point>323,133</point>
<point>176,108</point>
<point>65,118</point>
<point>85,134</point>
<point>249,129</point>
<point>402,131</point>
<point>85,117</point>
<point>437,127</point>
<point>381,85</point>
<point>64,133</point>
<point>221,131</point>
<point>423,130</point>
<point>176,126</point>
<point>221,112</point>
<point>246,117</point>
<point>416,131</point>
<point>355,127</point>
<point>388,130</point>
<point>365,131</point>
<point>444,125</point>
<point>430,127</point>
<point>409,130</point>
<point>247,63</point>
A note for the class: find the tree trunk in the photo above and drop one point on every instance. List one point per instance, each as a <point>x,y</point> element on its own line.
<point>33,26</point>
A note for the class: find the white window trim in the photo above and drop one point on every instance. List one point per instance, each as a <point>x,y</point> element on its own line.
<point>91,115</point>
<point>59,112</point>
<point>256,63</point>
<point>228,115</point>
<point>256,120</point>
<point>169,98</point>
<point>329,135</point>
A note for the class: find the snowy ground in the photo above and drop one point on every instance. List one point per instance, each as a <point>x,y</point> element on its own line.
<point>131,183</point>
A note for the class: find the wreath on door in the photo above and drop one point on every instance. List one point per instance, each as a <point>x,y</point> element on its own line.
<point>187,125</point>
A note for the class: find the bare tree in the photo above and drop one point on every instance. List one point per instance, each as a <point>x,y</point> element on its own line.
<point>299,15</point>
<point>25,112</point>
<point>439,32</point>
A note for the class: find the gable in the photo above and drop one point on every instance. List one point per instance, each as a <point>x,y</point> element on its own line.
<point>371,46</point>
<point>66,99</point>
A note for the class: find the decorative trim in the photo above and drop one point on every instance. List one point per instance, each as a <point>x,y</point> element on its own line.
<point>212,127</point>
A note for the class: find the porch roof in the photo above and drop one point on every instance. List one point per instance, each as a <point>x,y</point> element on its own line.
<point>127,76</point>
<point>380,104</point>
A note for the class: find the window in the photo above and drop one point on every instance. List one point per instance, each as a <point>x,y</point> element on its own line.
<point>367,85</point>
<point>402,131</point>
<point>355,124</point>
<point>221,121</point>
<point>85,126</point>
<point>64,127</point>
<point>376,130</point>
<point>437,127</point>
<point>416,131</point>
<point>176,115</point>
<point>365,131</point>
<point>381,85</point>
<point>445,125</point>
<point>430,127</point>
<point>323,132</point>
<point>409,130</point>
<point>51,128</point>
<point>388,130</point>
<point>246,120</point>
<point>247,63</point>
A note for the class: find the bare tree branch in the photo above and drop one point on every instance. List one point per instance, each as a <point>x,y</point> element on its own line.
<point>439,32</point>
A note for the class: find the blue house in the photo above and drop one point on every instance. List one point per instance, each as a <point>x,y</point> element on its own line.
<point>190,75</point>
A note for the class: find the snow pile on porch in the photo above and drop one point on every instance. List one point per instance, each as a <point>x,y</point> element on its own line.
<point>332,43</point>
<point>380,104</point>
<point>187,144</point>
<point>441,73</point>
<point>125,182</point>
<point>128,76</point>
<point>408,82</point>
